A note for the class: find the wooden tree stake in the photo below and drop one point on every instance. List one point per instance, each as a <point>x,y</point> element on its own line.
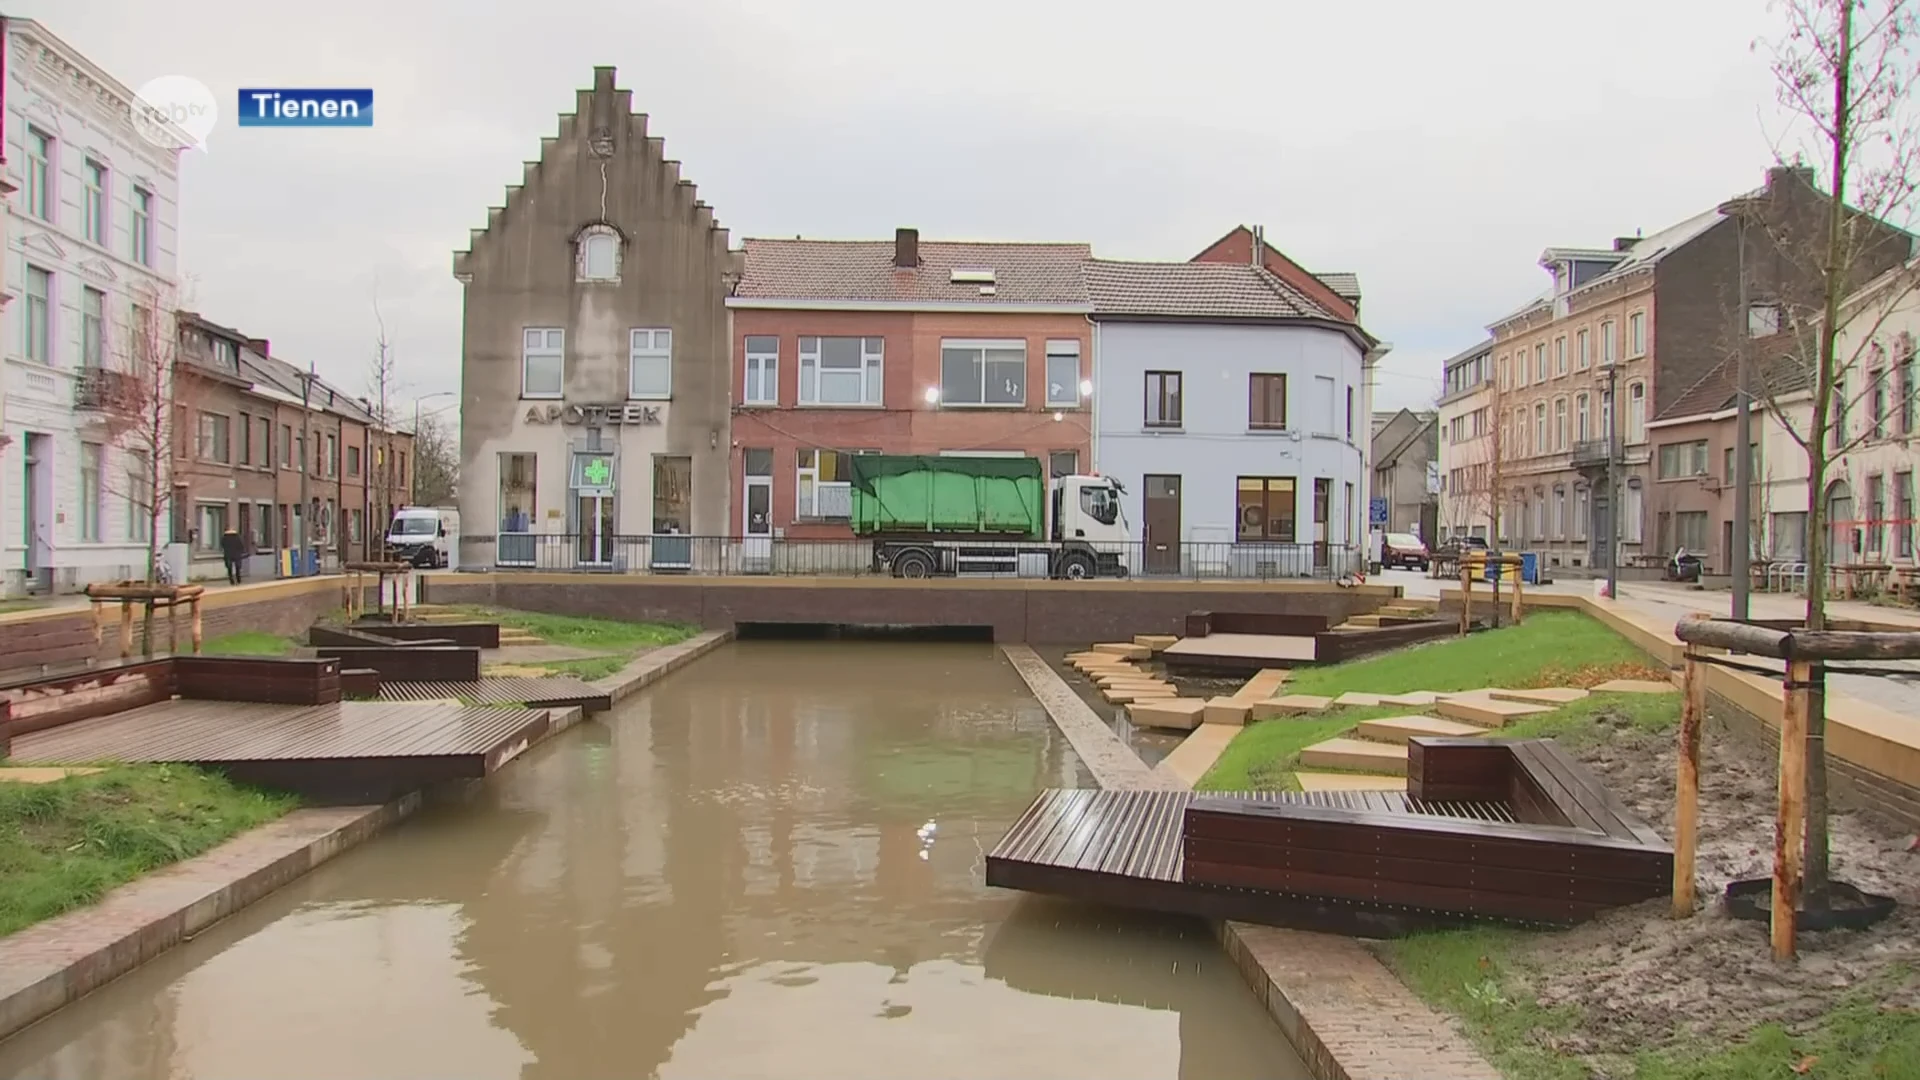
<point>1686,819</point>
<point>196,625</point>
<point>126,629</point>
<point>1517,566</point>
<point>1466,596</point>
<point>1790,823</point>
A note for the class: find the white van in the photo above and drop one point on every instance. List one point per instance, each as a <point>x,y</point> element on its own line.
<point>424,536</point>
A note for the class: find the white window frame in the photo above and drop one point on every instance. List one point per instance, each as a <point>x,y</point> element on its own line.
<point>91,503</point>
<point>39,198</point>
<point>1560,425</point>
<point>1583,349</point>
<point>1636,412</point>
<point>983,346</point>
<point>1540,362</point>
<point>226,355</point>
<point>1560,356</point>
<point>1064,350</point>
<point>1582,421</point>
<point>1606,341</point>
<point>550,346</point>
<point>93,327</point>
<point>37,337</point>
<point>598,256</point>
<point>1634,511</point>
<point>1636,335</point>
<point>95,178</point>
<point>760,383</point>
<point>872,373</point>
<point>1540,443</point>
<point>807,485</point>
<point>650,352</point>
<point>142,226</point>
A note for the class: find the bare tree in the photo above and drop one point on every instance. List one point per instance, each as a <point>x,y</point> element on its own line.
<point>1474,495</point>
<point>380,387</point>
<point>146,404</point>
<point>1845,74</point>
<point>436,462</point>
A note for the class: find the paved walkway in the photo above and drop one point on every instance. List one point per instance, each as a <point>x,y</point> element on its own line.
<point>1112,762</point>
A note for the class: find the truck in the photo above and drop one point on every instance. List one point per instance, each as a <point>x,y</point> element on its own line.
<point>940,516</point>
<point>425,536</point>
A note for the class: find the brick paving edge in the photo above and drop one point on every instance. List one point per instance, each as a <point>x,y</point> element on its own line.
<point>51,964</point>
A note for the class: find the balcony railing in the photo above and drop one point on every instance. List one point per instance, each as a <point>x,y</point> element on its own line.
<point>99,388</point>
<point>1591,452</point>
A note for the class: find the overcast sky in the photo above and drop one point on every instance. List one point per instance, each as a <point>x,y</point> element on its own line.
<point>1433,148</point>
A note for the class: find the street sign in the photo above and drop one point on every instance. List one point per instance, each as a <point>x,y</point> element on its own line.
<point>1376,511</point>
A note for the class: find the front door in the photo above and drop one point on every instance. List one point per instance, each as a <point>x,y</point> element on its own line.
<point>1162,523</point>
<point>756,524</point>
<point>38,535</point>
<point>594,542</point>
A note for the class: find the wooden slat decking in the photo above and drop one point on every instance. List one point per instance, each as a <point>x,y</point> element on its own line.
<point>353,749</point>
<point>553,690</point>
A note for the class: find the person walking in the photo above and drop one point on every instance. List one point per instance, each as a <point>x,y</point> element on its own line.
<point>232,550</point>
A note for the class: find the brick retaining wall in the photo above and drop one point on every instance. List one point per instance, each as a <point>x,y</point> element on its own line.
<point>30,639</point>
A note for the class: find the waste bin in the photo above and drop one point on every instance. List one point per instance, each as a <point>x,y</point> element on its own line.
<point>1530,567</point>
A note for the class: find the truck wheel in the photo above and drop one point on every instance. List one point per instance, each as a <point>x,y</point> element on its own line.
<point>1076,566</point>
<point>912,564</point>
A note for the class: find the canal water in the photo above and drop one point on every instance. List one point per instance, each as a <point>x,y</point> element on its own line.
<point>768,865</point>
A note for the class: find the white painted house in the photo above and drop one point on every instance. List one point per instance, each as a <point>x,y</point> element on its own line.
<point>89,235</point>
<point>1234,408</point>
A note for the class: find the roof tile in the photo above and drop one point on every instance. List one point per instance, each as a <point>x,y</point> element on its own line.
<point>862,271</point>
<point>1196,290</point>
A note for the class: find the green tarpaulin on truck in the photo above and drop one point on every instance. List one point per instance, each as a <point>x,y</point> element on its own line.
<point>899,493</point>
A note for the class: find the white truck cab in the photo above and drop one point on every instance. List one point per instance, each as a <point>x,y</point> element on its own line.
<point>425,536</point>
<point>1088,508</point>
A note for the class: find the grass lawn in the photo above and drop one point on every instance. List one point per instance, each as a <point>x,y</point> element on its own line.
<point>608,635</point>
<point>1552,648</point>
<point>598,667</point>
<point>247,643</point>
<point>65,844</point>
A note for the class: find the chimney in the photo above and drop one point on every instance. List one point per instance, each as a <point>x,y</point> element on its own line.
<point>1259,246</point>
<point>1622,243</point>
<point>1781,175</point>
<point>906,248</point>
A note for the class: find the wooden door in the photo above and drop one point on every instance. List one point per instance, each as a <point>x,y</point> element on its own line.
<point>1162,522</point>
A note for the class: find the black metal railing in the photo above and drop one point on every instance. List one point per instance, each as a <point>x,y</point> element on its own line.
<point>785,557</point>
<point>102,388</point>
<point>1590,452</point>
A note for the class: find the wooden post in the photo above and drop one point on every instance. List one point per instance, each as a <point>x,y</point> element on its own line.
<point>196,625</point>
<point>1516,590</point>
<point>99,633</point>
<point>1686,817</point>
<point>1466,595</point>
<point>126,629</point>
<point>173,627</point>
<point>1791,820</point>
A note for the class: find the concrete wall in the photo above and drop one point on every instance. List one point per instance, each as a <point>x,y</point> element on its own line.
<point>521,271</point>
<point>1029,611</point>
<point>1216,446</point>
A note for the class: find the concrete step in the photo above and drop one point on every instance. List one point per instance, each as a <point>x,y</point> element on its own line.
<point>1177,714</point>
<point>1356,755</point>
<point>1265,683</point>
<point>1126,650</point>
<point>1636,686</point>
<point>1155,642</point>
<point>1551,695</point>
<point>1342,781</point>
<point>1486,712</point>
<point>1130,696</point>
<point>1398,729</point>
<point>1231,711</point>
<point>1289,705</point>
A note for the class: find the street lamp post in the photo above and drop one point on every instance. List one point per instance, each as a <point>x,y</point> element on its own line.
<point>1613,490</point>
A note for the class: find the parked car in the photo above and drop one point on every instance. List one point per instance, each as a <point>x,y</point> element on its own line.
<point>1404,549</point>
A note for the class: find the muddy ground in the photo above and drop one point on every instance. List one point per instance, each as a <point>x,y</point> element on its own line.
<point>1642,979</point>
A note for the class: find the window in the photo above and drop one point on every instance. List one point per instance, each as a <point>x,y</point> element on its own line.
<point>1583,349</point>
<point>1540,443</point>
<point>1539,506</point>
<point>1908,385</point>
<point>39,192</point>
<point>599,254</point>
<point>1837,424</point>
<point>1877,402</point>
<point>1266,509</point>
<point>1322,405</point>
<point>823,489</point>
<point>246,439</point>
<point>1349,414</point>
<point>90,462</point>
<point>542,362</point>
<point>1683,459</point>
<point>263,527</point>
<point>1503,373</point>
<point>1632,511</point>
<point>1690,530</point>
<point>1520,368</point>
<point>983,373</point>
<point>1063,462</point>
<point>1903,515</point>
<point>39,334</point>
<point>1266,401</point>
<point>143,329</point>
<point>1876,511</point>
<point>762,385</point>
<point>93,328</point>
<point>1063,374</point>
<point>1636,334</point>
<point>353,461</point>
<point>1560,355</point>
<point>1560,424</point>
<point>286,446</point>
<point>139,515</point>
<point>333,456</point>
<point>226,355</point>
<point>214,437</point>
<point>1637,412</point>
<point>1790,536</point>
<point>518,477</point>
<point>1559,511</point>
<point>94,217</point>
<point>650,364</point>
<point>842,371</point>
<point>1582,424</point>
<point>142,229</point>
<point>1540,362</point>
<point>353,525</point>
<point>1763,320</point>
<point>1606,342</point>
<point>212,521</point>
<point>1580,513</point>
<point>1163,399</point>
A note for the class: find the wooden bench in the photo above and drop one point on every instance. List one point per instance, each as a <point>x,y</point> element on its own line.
<point>359,684</point>
<point>1540,840</point>
<point>282,680</point>
<point>412,662</point>
<point>80,692</point>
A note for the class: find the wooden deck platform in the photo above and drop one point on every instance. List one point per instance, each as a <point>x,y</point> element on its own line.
<point>347,751</point>
<point>1525,835</point>
<point>555,690</point>
<point>1241,651</point>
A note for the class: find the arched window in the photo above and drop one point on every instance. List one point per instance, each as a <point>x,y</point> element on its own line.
<point>1637,412</point>
<point>598,254</point>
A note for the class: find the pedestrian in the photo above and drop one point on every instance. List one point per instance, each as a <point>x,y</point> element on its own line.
<point>232,549</point>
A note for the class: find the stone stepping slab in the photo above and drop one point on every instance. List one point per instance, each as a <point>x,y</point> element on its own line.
<point>1398,729</point>
<point>1290,705</point>
<point>1230,711</point>
<point>1357,755</point>
<point>38,774</point>
<point>1552,695</point>
<point>1487,712</point>
<point>1177,714</point>
<point>1155,642</point>
<point>1418,699</point>
<point>1357,699</point>
<point>1636,686</point>
<point>1264,684</point>
<point>1128,697</point>
<point>1341,781</point>
<point>1126,650</point>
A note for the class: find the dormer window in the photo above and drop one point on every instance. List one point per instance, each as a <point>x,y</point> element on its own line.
<point>597,254</point>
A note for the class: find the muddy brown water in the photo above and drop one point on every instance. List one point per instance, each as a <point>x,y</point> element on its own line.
<point>725,878</point>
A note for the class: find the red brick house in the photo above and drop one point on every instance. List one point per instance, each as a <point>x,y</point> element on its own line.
<point>902,347</point>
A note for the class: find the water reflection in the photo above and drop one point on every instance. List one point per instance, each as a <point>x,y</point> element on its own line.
<point>732,876</point>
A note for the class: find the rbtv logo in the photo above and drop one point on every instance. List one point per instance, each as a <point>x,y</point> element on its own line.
<point>286,108</point>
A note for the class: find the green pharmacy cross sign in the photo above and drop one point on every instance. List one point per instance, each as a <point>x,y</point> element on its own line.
<point>597,472</point>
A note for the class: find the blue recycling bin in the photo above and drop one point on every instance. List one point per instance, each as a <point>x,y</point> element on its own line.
<point>1530,567</point>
